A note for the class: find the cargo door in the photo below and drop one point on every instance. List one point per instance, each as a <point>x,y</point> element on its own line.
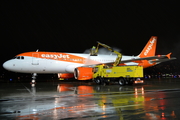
<point>35,59</point>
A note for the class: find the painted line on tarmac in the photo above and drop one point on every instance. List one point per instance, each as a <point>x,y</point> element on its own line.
<point>28,90</point>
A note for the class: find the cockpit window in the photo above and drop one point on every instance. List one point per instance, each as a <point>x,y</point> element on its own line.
<point>19,57</point>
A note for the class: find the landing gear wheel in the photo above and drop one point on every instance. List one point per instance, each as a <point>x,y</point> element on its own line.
<point>121,81</point>
<point>33,82</point>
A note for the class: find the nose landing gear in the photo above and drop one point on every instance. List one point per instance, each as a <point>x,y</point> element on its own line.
<point>33,82</point>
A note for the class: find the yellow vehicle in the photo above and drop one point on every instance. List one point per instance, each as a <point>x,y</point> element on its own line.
<point>122,74</point>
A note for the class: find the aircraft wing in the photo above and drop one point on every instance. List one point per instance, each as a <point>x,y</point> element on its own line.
<point>157,57</point>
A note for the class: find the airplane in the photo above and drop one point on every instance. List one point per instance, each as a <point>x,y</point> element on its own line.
<point>66,64</point>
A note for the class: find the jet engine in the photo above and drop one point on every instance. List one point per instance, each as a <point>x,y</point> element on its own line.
<point>83,73</point>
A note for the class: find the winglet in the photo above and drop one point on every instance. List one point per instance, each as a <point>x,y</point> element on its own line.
<point>169,55</point>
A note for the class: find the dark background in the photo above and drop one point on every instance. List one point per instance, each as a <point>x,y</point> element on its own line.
<point>74,26</point>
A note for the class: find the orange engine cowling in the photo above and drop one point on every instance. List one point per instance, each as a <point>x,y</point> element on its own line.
<point>65,75</point>
<point>83,73</point>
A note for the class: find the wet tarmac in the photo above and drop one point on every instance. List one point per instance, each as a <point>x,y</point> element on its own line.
<point>156,99</point>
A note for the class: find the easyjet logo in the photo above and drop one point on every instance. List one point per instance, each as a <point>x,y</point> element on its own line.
<point>149,46</point>
<point>55,56</point>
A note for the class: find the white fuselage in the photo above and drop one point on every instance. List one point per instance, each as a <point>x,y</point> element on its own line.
<point>30,64</point>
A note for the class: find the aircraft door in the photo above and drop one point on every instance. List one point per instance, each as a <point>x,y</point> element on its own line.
<point>35,59</point>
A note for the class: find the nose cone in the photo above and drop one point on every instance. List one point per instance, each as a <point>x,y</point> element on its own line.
<point>7,65</point>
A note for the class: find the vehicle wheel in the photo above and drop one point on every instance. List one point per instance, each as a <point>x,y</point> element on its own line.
<point>121,81</point>
<point>97,80</point>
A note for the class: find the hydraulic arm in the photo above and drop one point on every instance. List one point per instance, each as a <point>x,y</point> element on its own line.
<point>119,55</point>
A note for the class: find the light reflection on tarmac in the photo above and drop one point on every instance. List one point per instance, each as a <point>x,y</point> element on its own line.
<point>157,99</point>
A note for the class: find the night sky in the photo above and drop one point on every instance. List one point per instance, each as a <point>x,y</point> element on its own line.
<point>74,26</point>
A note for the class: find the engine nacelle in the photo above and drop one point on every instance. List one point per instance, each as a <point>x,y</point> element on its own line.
<point>65,75</point>
<point>83,73</point>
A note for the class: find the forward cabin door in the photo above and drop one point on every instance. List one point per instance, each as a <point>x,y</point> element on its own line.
<point>35,59</point>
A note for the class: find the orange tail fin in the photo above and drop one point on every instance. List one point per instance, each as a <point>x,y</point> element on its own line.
<point>150,48</point>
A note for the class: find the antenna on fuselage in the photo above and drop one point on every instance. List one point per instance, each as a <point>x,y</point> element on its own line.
<point>37,50</point>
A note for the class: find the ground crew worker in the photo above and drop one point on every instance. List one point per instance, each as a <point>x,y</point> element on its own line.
<point>93,51</point>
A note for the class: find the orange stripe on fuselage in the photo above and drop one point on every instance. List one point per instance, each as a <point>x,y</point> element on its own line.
<point>58,56</point>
